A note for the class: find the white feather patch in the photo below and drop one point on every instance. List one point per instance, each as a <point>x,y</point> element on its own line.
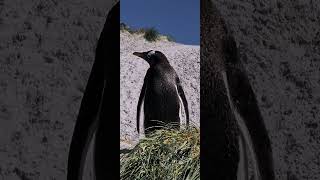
<point>141,120</point>
<point>142,117</point>
<point>181,107</point>
<point>151,53</point>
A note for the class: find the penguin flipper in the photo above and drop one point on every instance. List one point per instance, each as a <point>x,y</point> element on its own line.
<point>183,98</point>
<point>243,170</point>
<point>141,98</point>
<point>86,121</point>
<point>246,104</point>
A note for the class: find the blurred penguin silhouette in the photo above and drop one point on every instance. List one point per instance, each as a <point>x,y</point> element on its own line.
<point>229,109</point>
<point>99,107</point>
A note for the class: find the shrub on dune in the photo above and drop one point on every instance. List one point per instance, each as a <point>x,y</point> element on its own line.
<point>151,34</point>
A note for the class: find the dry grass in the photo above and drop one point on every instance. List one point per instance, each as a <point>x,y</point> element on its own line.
<point>165,154</point>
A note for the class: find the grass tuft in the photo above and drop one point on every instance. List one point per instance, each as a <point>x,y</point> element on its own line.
<point>165,154</point>
<point>124,27</point>
<point>151,34</point>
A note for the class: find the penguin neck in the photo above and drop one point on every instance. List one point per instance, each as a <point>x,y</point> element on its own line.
<point>157,63</point>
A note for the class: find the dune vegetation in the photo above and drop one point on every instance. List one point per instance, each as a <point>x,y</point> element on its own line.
<point>167,153</point>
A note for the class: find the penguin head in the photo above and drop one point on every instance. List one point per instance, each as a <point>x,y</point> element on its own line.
<point>152,57</point>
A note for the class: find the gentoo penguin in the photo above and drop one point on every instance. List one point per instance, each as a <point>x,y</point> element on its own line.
<point>161,94</point>
<point>234,129</point>
<point>99,111</point>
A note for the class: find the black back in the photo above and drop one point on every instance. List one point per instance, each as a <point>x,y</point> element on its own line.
<point>160,92</point>
<point>161,101</point>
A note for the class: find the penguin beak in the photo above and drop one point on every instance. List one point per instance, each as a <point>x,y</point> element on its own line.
<point>140,54</point>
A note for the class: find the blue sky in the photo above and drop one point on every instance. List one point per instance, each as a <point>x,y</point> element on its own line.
<point>178,18</point>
